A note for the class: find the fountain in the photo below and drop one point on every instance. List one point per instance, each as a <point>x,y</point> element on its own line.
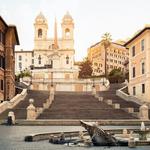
<point>143,132</point>
<point>99,137</point>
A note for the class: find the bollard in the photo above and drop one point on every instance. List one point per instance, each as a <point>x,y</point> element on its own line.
<point>11,118</point>
<point>143,112</point>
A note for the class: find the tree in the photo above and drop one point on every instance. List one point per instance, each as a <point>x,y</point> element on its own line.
<point>116,76</point>
<point>85,69</point>
<point>24,73</point>
<point>106,42</point>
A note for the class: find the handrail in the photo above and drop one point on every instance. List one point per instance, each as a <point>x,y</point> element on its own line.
<point>128,97</point>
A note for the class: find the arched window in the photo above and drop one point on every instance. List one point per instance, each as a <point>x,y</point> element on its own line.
<point>39,33</point>
<point>67,59</point>
<point>39,59</point>
<point>67,32</point>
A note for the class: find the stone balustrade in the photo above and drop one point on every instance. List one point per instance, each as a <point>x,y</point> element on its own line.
<point>19,97</point>
<point>13,102</point>
<point>3,106</point>
<point>127,97</point>
<point>33,112</point>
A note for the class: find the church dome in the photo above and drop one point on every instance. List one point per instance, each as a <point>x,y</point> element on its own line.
<point>67,17</point>
<point>40,18</point>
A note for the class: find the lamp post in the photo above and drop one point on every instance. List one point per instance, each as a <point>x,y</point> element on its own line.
<point>51,79</point>
<point>31,78</point>
<point>93,83</point>
<point>103,80</point>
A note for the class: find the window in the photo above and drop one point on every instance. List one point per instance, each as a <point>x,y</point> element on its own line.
<point>2,62</point>
<point>67,32</point>
<point>143,88</point>
<point>142,45</point>
<point>20,57</point>
<point>67,60</point>
<point>39,33</point>
<point>133,51</point>
<point>39,58</point>
<point>133,72</point>
<point>32,54</point>
<point>2,85</point>
<point>143,67</point>
<point>32,61</point>
<point>134,90</point>
<point>2,39</point>
<point>20,65</point>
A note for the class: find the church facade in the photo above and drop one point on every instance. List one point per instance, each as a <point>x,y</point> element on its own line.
<point>51,62</point>
<point>50,55</point>
<point>54,55</point>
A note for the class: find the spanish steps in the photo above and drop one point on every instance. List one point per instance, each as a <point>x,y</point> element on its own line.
<point>70,105</point>
<point>20,109</point>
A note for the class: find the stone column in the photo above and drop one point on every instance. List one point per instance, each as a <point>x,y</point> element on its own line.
<point>143,112</point>
<point>31,110</point>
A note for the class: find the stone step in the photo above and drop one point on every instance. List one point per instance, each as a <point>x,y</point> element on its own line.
<point>20,109</point>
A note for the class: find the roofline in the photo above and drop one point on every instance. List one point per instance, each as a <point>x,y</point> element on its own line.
<point>111,42</point>
<point>134,37</point>
<point>23,51</point>
<point>95,44</point>
<point>3,21</point>
<point>11,26</point>
<point>118,44</point>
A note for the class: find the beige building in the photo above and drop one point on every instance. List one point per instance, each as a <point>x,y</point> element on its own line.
<point>116,56</point>
<point>8,40</point>
<point>24,59</point>
<point>139,64</point>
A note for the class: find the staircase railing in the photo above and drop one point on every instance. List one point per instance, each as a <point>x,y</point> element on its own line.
<point>13,102</point>
<point>128,97</point>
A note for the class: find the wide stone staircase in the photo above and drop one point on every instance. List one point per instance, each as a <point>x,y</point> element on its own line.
<point>84,106</point>
<point>71,105</point>
<point>111,94</point>
<point>20,109</point>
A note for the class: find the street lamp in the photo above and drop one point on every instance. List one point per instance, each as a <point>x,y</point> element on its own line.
<point>103,80</point>
<point>93,83</point>
<point>31,78</point>
<point>51,79</point>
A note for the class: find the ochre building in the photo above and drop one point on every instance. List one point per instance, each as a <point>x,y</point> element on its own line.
<point>139,64</point>
<point>116,56</point>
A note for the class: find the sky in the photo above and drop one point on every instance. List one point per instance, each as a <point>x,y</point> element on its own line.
<point>92,18</point>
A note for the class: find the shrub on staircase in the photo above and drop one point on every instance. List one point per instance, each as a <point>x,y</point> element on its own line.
<point>116,76</point>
